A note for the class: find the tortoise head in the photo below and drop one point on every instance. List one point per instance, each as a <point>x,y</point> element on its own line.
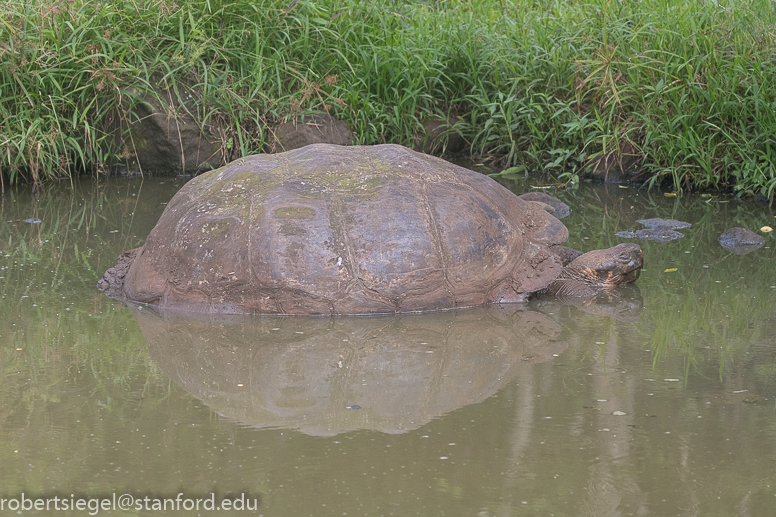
<point>617,265</point>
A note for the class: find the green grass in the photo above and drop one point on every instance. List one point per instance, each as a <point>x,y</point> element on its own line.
<point>551,85</point>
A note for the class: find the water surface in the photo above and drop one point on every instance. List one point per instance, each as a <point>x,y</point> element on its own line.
<point>663,403</point>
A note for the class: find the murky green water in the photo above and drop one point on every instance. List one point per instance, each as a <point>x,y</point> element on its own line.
<point>662,405</point>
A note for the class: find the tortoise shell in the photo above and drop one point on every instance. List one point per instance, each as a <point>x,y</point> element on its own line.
<point>327,229</point>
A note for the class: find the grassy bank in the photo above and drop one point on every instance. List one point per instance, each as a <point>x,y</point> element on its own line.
<point>686,88</point>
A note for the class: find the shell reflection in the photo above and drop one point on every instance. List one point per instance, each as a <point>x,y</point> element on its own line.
<point>308,373</point>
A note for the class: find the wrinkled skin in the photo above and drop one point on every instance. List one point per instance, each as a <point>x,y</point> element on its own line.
<point>348,230</point>
<point>112,282</point>
<point>589,273</point>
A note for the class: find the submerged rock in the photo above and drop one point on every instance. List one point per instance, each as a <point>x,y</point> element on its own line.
<point>657,222</point>
<point>659,234</point>
<point>741,241</point>
<point>657,229</point>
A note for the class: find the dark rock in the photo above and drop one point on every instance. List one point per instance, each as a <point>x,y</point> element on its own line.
<point>619,166</point>
<point>741,241</point>
<point>164,137</point>
<point>438,138</point>
<point>657,222</point>
<point>657,229</point>
<point>560,209</point>
<point>313,128</point>
<point>659,234</point>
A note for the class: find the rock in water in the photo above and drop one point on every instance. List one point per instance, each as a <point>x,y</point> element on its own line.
<point>657,229</point>
<point>741,241</point>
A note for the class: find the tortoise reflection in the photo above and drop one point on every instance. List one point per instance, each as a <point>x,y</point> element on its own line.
<point>307,373</point>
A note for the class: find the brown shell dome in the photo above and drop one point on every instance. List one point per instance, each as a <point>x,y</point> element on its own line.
<point>344,230</point>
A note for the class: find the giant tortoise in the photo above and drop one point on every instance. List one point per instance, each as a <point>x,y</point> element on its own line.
<point>327,229</point>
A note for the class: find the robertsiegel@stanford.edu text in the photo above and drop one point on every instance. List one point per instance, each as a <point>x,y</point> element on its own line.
<point>93,505</point>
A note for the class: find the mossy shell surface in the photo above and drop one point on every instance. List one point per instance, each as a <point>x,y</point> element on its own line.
<point>327,229</point>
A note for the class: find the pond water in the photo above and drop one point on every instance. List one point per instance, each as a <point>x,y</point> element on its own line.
<point>662,403</point>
